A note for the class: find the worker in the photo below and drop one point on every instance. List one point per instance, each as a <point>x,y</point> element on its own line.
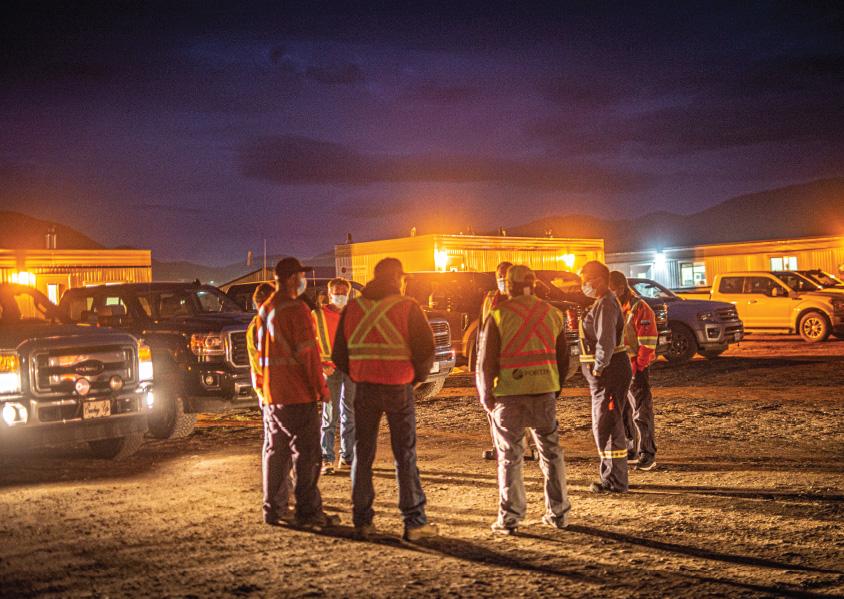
<point>640,337</point>
<point>293,383</point>
<point>606,368</point>
<point>262,292</point>
<point>340,387</point>
<point>491,301</point>
<point>385,344</point>
<point>522,352</point>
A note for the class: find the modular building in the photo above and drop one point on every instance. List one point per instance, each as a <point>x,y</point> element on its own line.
<point>54,271</point>
<point>696,266</point>
<point>477,253</point>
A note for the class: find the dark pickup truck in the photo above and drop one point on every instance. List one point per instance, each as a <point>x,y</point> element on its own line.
<point>443,354</point>
<point>62,384</point>
<point>198,340</point>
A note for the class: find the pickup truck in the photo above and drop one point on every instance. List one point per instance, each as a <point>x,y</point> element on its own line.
<point>443,353</point>
<point>198,340</point>
<point>698,326</point>
<point>787,302</point>
<point>62,384</point>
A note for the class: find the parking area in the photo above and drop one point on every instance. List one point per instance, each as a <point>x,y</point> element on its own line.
<point>747,500</point>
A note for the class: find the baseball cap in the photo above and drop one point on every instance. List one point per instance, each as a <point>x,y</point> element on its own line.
<point>289,266</point>
<point>520,275</point>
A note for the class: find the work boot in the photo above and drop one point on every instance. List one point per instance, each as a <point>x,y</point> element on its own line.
<point>500,528</point>
<point>646,462</point>
<point>490,454</point>
<point>558,522</point>
<point>327,467</point>
<point>343,465</point>
<point>365,531</point>
<point>424,531</point>
<point>632,456</point>
<point>318,521</point>
<point>602,487</point>
<point>278,518</point>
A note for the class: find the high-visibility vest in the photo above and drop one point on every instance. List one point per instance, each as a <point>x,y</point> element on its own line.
<point>587,350</point>
<point>528,328</point>
<point>632,339</point>
<point>326,321</point>
<point>491,301</point>
<point>377,336</point>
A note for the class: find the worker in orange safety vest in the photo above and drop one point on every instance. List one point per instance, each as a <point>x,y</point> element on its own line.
<point>640,337</point>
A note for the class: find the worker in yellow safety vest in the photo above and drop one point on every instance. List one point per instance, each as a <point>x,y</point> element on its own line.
<point>521,356</point>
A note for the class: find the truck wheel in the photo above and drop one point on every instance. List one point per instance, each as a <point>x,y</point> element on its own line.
<point>814,327</point>
<point>683,344</point>
<point>169,420</point>
<point>712,354</point>
<point>117,449</point>
<point>429,390</point>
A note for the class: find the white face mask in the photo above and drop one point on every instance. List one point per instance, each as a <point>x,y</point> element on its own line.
<point>502,286</point>
<point>338,300</point>
<point>303,284</point>
<point>588,290</point>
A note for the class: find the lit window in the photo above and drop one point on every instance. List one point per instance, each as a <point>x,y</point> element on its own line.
<point>784,263</point>
<point>692,274</point>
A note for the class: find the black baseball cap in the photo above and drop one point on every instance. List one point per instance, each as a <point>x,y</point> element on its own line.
<point>289,266</point>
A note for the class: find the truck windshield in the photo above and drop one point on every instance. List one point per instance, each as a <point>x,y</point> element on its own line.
<point>653,290</point>
<point>824,279</point>
<point>797,282</point>
<point>26,307</point>
<point>163,305</point>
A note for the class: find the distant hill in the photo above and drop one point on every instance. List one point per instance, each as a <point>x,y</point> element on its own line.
<point>815,208</point>
<point>20,231</point>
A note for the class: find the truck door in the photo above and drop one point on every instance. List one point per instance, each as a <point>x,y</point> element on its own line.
<point>731,289</point>
<point>769,304</point>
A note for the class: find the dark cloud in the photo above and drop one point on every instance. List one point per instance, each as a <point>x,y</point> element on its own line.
<point>337,74</point>
<point>297,160</point>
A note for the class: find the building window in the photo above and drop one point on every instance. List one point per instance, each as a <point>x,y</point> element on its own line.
<point>784,263</point>
<point>692,274</point>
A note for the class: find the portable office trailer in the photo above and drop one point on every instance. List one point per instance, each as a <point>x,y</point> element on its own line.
<point>696,266</point>
<point>54,271</point>
<point>356,261</point>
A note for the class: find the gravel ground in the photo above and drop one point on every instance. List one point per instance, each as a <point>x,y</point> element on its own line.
<point>747,501</point>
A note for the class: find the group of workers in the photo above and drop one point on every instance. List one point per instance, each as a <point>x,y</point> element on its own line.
<point>360,358</point>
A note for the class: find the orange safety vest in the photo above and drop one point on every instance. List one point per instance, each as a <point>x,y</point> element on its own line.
<point>378,340</point>
<point>326,320</point>
<point>491,301</point>
<point>529,328</point>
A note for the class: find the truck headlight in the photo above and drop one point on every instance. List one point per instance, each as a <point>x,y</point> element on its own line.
<point>145,370</point>
<point>208,344</point>
<point>706,316</point>
<point>10,373</point>
<point>14,413</point>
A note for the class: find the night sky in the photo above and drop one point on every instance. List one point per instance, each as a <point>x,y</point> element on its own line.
<point>196,132</point>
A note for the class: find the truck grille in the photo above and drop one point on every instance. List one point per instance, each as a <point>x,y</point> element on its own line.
<point>56,371</point>
<point>238,353</point>
<point>727,314</point>
<point>442,337</point>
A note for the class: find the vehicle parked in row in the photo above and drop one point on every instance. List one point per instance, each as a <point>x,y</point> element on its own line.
<point>458,297</point>
<point>781,302</point>
<point>198,340</point>
<point>697,326</point>
<point>823,278</point>
<point>62,384</point>
<point>443,355</point>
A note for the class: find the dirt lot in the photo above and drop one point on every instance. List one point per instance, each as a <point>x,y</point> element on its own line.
<point>747,500</point>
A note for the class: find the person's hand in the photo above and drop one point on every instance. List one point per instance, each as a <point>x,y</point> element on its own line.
<point>328,370</point>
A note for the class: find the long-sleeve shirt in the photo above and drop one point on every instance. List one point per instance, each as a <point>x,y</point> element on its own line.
<point>603,330</point>
<point>489,354</point>
<point>254,358</point>
<point>290,363</point>
<point>642,325</point>
<point>421,340</point>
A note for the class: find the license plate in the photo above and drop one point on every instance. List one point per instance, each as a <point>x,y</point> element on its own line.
<point>435,368</point>
<point>96,409</point>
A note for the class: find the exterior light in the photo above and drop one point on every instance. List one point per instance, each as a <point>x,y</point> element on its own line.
<point>145,368</point>
<point>23,278</point>
<point>441,260</point>
<point>15,413</point>
<point>659,260</point>
<point>10,373</point>
<point>149,399</point>
<point>115,383</point>
<point>568,260</point>
<point>82,386</point>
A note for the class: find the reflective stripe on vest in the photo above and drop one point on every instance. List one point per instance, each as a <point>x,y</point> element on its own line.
<point>375,319</point>
<point>322,335</point>
<point>589,358</point>
<point>631,339</point>
<point>529,328</point>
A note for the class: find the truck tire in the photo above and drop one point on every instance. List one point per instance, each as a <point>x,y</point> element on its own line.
<point>429,390</point>
<point>683,344</point>
<point>117,449</point>
<point>814,327</point>
<point>712,354</point>
<point>169,420</point>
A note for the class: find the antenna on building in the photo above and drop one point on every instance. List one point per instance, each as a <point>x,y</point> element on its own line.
<point>264,267</point>
<point>51,239</point>
<point>349,238</point>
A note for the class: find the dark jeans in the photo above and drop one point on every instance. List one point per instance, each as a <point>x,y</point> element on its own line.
<point>639,414</point>
<point>292,441</point>
<point>609,394</point>
<point>397,402</point>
